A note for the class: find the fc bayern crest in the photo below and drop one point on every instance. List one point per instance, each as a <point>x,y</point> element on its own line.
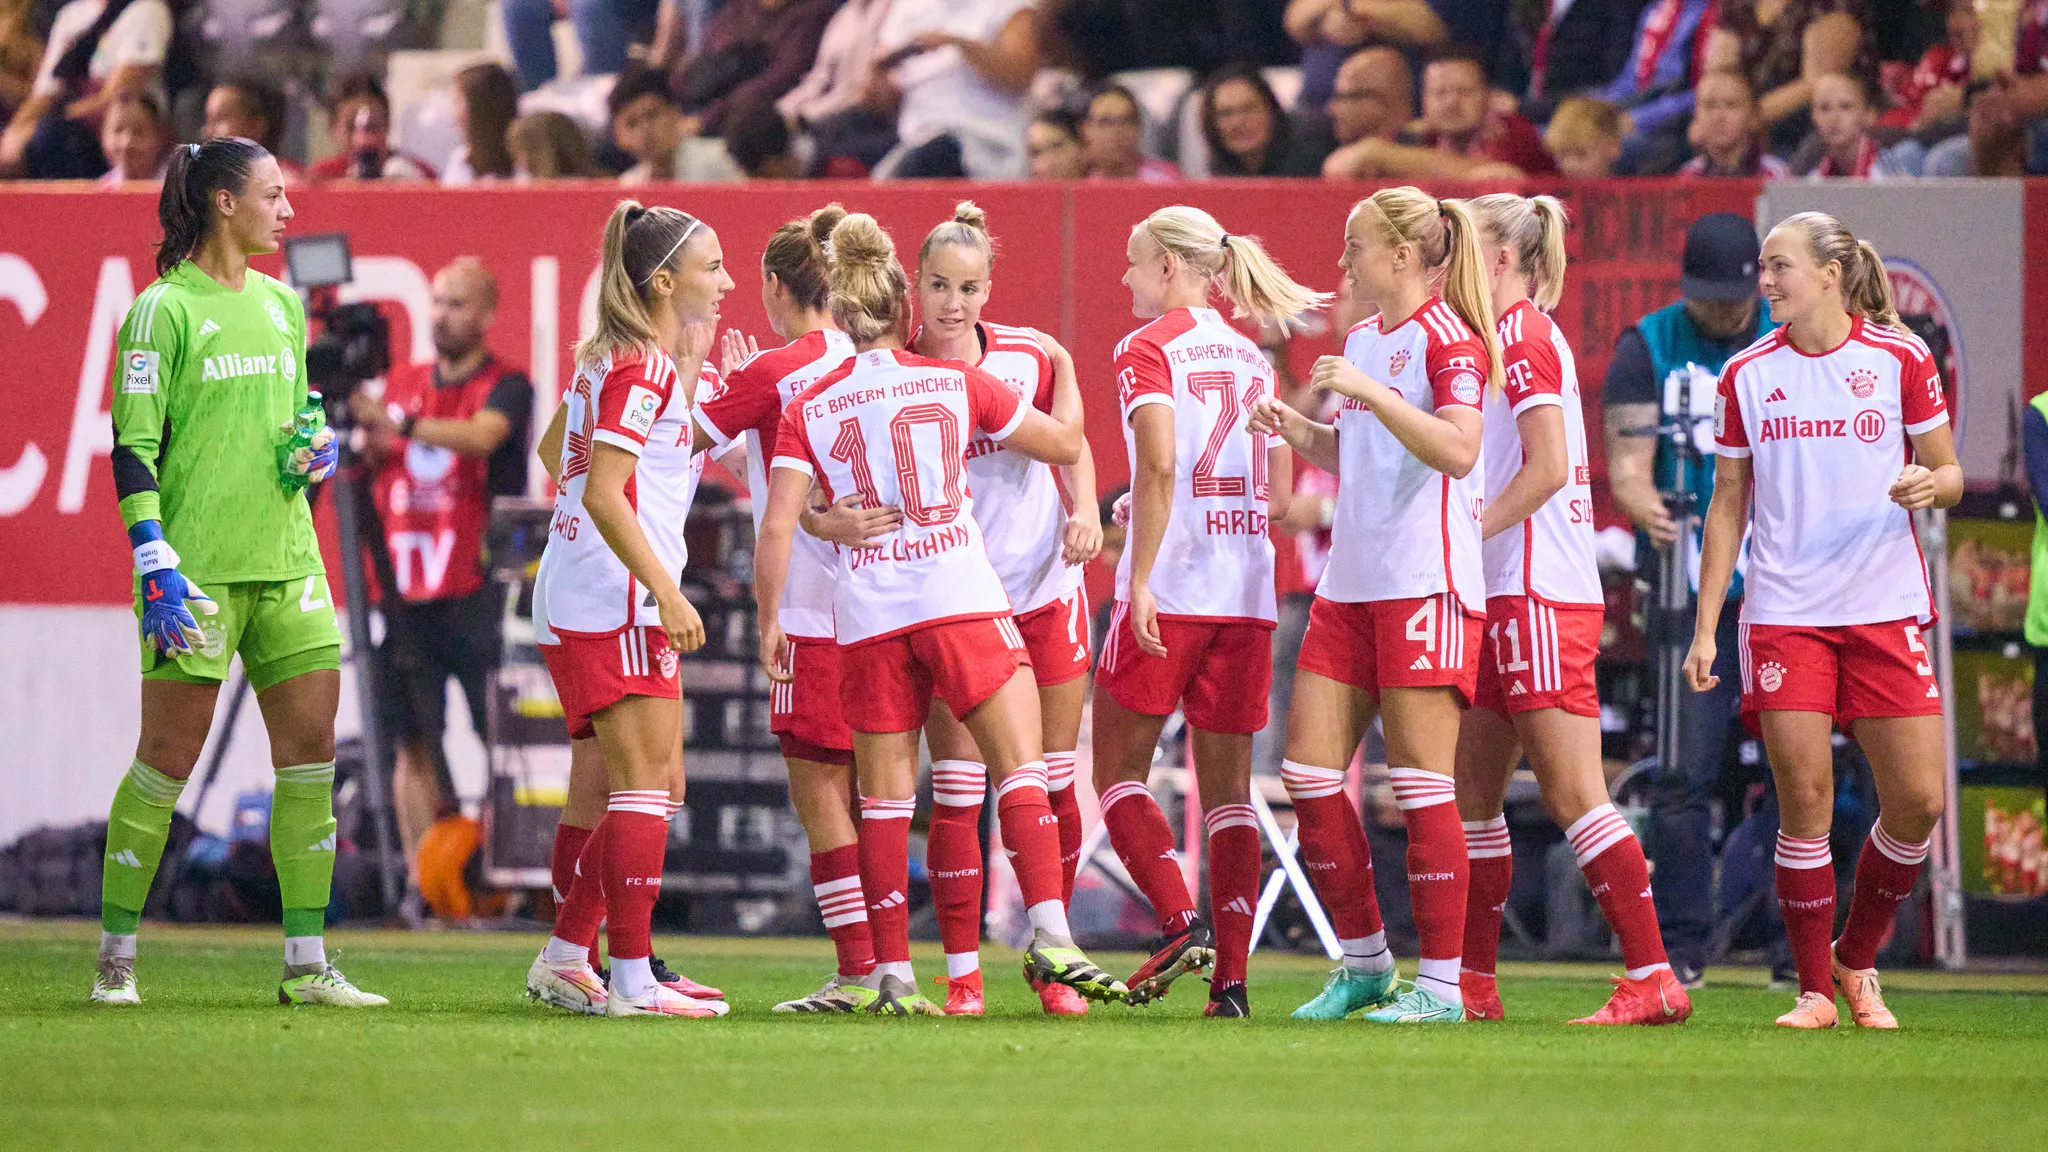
<point>1398,364</point>
<point>1862,382</point>
<point>1925,309</point>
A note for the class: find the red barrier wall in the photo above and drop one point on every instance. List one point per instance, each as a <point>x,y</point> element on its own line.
<point>71,262</point>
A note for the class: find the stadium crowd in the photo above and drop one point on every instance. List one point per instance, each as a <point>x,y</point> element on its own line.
<point>1008,89</point>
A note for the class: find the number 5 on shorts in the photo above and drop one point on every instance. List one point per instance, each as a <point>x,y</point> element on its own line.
<point>1918,649</point>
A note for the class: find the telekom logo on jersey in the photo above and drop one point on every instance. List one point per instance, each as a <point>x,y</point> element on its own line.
<point>1868,427</point>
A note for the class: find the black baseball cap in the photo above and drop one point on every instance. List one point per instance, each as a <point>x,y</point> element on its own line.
<point>1721,253</point>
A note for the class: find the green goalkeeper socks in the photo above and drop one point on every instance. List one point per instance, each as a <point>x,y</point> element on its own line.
<point>137,826</point>
<point>302,844</point>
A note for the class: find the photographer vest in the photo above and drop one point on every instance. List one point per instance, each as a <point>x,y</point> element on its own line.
<point>435,503</point>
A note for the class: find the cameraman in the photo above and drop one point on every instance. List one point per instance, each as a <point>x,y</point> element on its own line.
<point>442,440</point>
<point>1683,346</point>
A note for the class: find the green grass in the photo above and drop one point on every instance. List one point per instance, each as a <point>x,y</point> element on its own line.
<point>461,1060</point>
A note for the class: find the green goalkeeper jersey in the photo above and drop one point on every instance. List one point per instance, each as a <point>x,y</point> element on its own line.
<point>203,379</point>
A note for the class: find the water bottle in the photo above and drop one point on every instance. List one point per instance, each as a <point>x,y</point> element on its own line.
<point>299,443</point>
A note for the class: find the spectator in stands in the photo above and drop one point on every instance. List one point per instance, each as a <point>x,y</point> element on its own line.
<point>1931,96</point>
<point>1463,135</point>
<point>1110,139</point>
<point>1726,136</point>
<point>1052,144</point>
<point>1845,143</point>
<point>1373,101</point>
<point>1247,130</point>
<point>1578,49</point>
<point>757,138</point>
<point>1330,31</point>
<point>21,51</point>
<point>136,137</point>
<point>839,77</point>
<point>486,103</point>
<point>955,72</point>
<point>1783,46</point>
<point>1584,138</point>
<point>752,50</point>
<point>548,146</point>
<point>254,110</point>
<point>359,121</point>
<point>97,50</point>
<point>2008,133</point>
<point>647,125</point>
<point>1655,86</point>
<point>442,440</point>
<point>605,29</point>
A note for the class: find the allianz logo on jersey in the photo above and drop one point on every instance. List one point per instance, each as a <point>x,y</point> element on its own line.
<point>1867,426</point>
<point>234,365</point>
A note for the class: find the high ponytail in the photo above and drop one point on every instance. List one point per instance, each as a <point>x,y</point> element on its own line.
<point>196,173</point>
<point>1532,227</point>
<point>1250,279</point>
<point>868,285</point>
<point>1866,289</point>
<point>796,255</point>
<point>968,228</point>
<point>638,242</point>
<point>1445,236</point>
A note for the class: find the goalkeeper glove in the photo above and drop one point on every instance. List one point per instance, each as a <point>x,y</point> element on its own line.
<point>168,598</point>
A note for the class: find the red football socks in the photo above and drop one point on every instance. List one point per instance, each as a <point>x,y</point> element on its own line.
<point>635,838</point>
<point>1436,873</point>
<point>885,875</point>
<point>1066,806</point>
<point>835,881</point>
<point>1885,874</point>
<point>1139,833</point>
<point>1233,887</point>
<point>1334,851</point>
<point>1490,861</point>
<point>1612,859</point>
<point>1030,833</point>
<point>953,852</point>
<point>1806,898</point>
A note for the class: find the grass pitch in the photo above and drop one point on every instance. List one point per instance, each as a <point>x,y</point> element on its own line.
<point>461,1061</point>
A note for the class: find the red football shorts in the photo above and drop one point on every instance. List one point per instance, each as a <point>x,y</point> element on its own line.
<point>592,673</point>
<point>1538,655</point>
<point>805,714</point>
<point>1056,635</point>
<point>1217,672</point>
<point>1848,671</point>
<point>1425,642</point>
<point>887,685</point>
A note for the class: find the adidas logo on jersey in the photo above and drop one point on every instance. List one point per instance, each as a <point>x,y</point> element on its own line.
<point>126,858</point>
<point>1421,664</point>
<point>1777,396</point>
<point>208,328</point>
<point>326,844</point>
<point>230,365</point>
<point>1240,905</point>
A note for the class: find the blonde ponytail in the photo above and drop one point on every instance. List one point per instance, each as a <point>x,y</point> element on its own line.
<point>1254,284</point>
<point>968,228</point>
<point>1532,227</point>
<point>1866,289</point>
<point>866,282</point>
<point>1446,240</point>
<point>638,242</point>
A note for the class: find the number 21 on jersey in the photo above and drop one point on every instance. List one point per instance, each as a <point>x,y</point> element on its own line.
<point>1229,410</point>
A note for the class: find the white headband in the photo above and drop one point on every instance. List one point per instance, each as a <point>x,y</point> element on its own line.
<point>663,262</point>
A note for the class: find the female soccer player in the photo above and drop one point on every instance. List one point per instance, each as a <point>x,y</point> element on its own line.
<point>1834,425</point>
<point>609,612</point>
<point>805,713</point>
<point>579,891</point>
<point>1037,547</point>
<point>207,370</point>
<point>1544,608</point>
<point>1395,627</point>
<point>1194,617</point>
<point>921,612</point>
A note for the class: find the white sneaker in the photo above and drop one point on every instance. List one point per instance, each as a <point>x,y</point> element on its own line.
<point>327,986</point>
<point>114,983</point>
<point>659,1001</point>
<point>572,987</point>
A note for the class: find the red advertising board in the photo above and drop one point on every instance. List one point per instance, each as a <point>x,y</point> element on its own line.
<point>72,261</point>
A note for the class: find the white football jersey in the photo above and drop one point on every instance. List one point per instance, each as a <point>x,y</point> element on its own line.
<point>751,409</point>
<point>631,400</point>
<point>1826,437</point>
<point>1017,501</point>
<point>1404,530</point>
<point>893,426</point>
<point>1549,556</point>
<point>1215,562</point>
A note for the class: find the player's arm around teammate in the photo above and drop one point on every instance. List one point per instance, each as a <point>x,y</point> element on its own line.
<point>1812,423</point>
<point>1395,628</point>
<point>208,368</point>
<point>1193,624</point>
<point>1535,691</point>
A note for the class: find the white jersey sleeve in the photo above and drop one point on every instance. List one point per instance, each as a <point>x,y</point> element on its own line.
<point>1018,501</point>
<point>1826,436</point>
<point>1548,556</point>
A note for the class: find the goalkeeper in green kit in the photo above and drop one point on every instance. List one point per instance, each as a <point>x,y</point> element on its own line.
<point>208,377</point>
